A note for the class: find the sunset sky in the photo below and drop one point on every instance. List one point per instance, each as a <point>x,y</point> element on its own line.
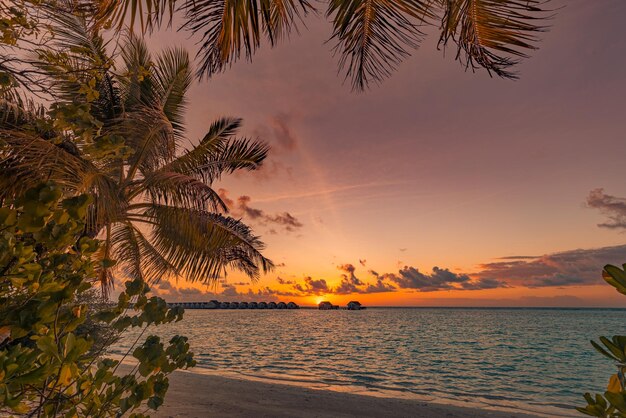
<point>439,187</point>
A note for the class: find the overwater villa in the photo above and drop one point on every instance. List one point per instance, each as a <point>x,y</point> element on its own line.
<point>326,306</point>
<point>355,306</point>
<point>215,304</point>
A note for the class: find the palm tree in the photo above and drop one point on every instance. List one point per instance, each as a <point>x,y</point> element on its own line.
<point>118,136</point>
<point>372,37</point>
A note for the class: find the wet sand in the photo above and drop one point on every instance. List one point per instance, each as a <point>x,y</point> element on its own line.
<point>208,395</point>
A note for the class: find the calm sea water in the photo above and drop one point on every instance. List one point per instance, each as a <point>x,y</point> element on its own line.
<point>532,359</point>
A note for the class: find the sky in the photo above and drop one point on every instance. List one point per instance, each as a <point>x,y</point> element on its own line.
<point>440,187</point>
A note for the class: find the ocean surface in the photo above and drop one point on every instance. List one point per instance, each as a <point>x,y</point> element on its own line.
<point>536,360</point>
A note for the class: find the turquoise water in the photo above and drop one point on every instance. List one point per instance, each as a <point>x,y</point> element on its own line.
<point>532,359</point>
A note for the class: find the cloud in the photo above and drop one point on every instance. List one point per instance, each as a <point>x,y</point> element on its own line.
<point>349,282</point>
<point>482,284</point>
<point>440,279</point>
<point>283,132</point>
<point>279,133</point>
<point>612,207</point>
<point>579,267</point>
<point>312,287</point>
<point>245,209</point>
<point>568,268</point>
<point>280,280</point>
<point>379,287</point>
<point>348,268</point>
<point>164,284</point>
<point>241,208</point>
<point>285,219</point>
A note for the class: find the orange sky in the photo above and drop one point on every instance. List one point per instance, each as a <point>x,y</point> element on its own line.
<point>488,180</point>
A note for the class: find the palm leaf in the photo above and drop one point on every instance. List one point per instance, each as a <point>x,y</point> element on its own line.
<point>76,53</point>
<point>32,159</point>
<point>374,36</point>
<point>117,13</point>
<point>136,257</point>
<point>180,190</point>
<point>492,34</point>
<point>228,27</point>
<point>218,153</point>
<point>172,76</point>
<point>26,156</point>
<point>200,245</point>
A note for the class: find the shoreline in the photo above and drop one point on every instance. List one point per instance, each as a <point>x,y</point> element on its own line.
<point>201,393</point>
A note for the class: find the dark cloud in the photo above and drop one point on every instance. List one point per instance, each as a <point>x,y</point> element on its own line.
<point>519,257</point>
<point>280,280</point>
<point>439,279</point>
<point>482,284</point>
<point>285,219</point>
<point>312,286</point>
<point>349,282</point>
<point>379,287</point>
<point>241,208</point>
<point>614,208</point>
<point>164,284</point>
<point>348,268</point>
<point>567,268</point>
<point>244,207</point>
<point>283,133</point>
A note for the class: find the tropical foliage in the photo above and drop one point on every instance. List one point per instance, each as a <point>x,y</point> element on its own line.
<point>47,366</point>
<point>371,37</point>
<point>613,402</point>
<point>116,131</point>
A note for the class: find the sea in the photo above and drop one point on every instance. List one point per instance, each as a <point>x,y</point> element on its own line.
<point>533,360</point>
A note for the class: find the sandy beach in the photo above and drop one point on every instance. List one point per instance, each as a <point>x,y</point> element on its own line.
<point>202,395</point>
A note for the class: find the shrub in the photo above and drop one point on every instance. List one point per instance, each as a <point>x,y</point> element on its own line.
<point>49,365</point>
<point>613,402</point>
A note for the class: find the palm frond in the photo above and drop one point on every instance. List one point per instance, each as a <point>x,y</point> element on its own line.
<point>492,34</point>
<point>218,153</point>
<point>173,76</point>
<point>229,27</point>
<point>117,13</point>
<point>31,159</point>
<point>26,156</point>
<point>136,256</point>
<point>201,245</point>
<point>181,190</point>
<point>126,250</point>
<point>374,36</point>
<point>77,53</point>
<point>17,111</point>
<point>150,135</point>
<point>137,82</point>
